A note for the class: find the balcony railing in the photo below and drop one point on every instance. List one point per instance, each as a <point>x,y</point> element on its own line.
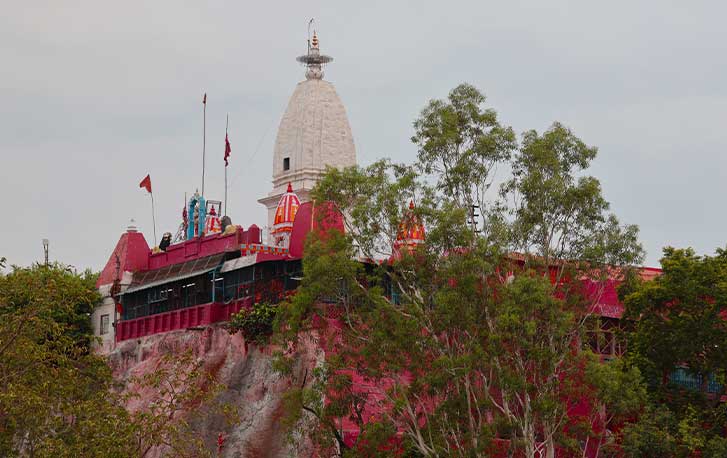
<point>692,381</point>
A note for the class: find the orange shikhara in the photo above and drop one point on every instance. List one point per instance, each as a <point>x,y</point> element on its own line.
<point>285,213</point>
<point>411,231</point>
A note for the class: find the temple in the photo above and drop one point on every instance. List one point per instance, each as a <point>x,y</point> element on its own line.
<point>212,268</point>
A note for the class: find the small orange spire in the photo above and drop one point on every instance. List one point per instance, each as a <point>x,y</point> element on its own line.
<point>411,230</point>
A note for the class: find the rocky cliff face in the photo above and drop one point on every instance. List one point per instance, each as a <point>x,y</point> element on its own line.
<point>250,384</point>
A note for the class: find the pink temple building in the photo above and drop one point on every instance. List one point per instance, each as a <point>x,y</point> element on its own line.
<point>213,268</point>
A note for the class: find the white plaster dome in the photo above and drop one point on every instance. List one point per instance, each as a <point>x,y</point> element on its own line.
<point>313,133</point>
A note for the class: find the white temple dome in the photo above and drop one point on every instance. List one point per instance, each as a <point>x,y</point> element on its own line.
<point>314,133</point>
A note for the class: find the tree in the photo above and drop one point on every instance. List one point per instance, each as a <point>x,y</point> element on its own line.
<point>619,396</point>
<point>255,323</point>
<point>679,328</point>
<point>462,350</point>
<point>54,393</point>
<point>59,399</point>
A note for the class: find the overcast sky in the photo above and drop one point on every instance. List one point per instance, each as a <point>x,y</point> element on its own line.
<point>96,94</point>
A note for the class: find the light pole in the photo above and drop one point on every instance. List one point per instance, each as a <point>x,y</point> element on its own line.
<point>45,250</point>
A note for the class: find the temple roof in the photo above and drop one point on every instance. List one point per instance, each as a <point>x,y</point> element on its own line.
<point>150,278</point>
<point>130,254</point>
<point>411,229</point>
<point>286,211</point>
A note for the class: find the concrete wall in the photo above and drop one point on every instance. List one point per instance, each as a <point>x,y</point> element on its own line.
<point>107,307</point>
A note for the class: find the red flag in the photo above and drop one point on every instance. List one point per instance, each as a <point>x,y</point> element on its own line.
<point>146,183</point>
<point>228,150</point>
<point>204,99</point>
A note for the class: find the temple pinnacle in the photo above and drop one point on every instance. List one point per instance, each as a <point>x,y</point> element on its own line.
<point>314,60</point>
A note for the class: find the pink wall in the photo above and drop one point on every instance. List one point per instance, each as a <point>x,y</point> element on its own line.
<point>199,315</point>
<point>203,246</point>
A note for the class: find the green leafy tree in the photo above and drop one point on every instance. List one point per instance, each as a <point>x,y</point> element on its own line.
<point>462,352</point>
<point>679,325</point>
<point>54,393</point>
<point>619,396</point>
<point>653,435</point>
<point>255,323</point>
<point>59,399</point>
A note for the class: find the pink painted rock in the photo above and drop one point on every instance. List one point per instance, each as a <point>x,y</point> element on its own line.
<point>250,384</point>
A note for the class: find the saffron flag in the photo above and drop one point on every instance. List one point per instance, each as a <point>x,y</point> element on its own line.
<point>146,183</point>
<point>228,150</point>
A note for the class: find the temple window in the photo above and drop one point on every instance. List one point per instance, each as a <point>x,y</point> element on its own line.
<point>286,163</point>
<point>104,328</point>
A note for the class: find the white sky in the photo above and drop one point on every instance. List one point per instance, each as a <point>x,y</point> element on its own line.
<point>96,94</point>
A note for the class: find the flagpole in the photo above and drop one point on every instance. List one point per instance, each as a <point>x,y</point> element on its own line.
<point>153,218</point>
<point>204,135</point>
<point>227,123</point>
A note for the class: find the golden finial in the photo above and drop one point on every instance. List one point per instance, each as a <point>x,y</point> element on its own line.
<point>314,42</point>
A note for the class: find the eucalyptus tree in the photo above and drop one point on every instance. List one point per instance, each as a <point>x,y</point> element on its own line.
<point>679,327</point>
<point>471,338</point>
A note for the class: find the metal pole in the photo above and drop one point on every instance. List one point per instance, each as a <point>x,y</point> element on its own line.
<point>227,123</point>
<point>204,135</point>
<point>153,218</point>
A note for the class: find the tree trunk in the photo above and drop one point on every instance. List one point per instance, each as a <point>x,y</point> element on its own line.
<point>550,450</point>
<point>530,447</point>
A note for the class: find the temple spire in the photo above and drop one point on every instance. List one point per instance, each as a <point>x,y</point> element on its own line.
<point>314,60</point>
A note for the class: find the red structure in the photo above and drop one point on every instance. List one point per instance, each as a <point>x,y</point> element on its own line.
<point>206,279</point>
<point>200,315</point>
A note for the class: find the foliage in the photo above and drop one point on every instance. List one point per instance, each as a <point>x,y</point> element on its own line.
<point>679,323</point>
<point>461,144</point>
<point>462,351</point>
<point>620,396</point>
<point>53,392</point>
<point>652,435</point>
<point>58,399</point>
<point>255,323</point>
<point>680,317</point>
<point>660,432</point>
